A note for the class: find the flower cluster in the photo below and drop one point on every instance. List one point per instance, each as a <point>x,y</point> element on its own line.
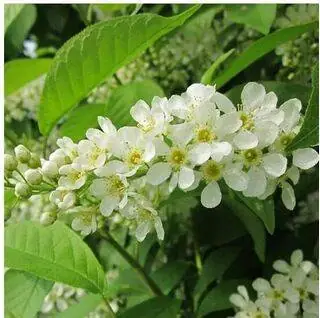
<point>196,139</point>
<point>292,292</point>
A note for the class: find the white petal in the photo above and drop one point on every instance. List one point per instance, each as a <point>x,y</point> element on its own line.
<point>161,147</point>
<point>199,153</point>
<point>211,195</point>
<point>158,173</point>
<point>235,178</point>
<point>305,158</point>
<point>200,92</point>
<point>98,188</point>
<point>178,106</point>
<point>287,196</point>
<point>270,189</point>
<point>142,230</point>
<point>107,125</point>
<point>219,150</point>
<point>281,266</point>
<point>173,181</point>
<point>296,257</point>
<point>228,124</point>
<point>180,134</point>
<point>131,135</point>
<point>293,174</point>
<point>159,228</point>
<point>108,204</point>
<point>195,184</point>
<point>238,301</point>
<point>112,167</point>
<point>270,101</point>
<point>149,152</point>
<point>257,183</point>
<point>291,109</point>
<point>223,103</point>
<point>261,285</point>
<point>245,140</point>
<point>140,112</point>
<point>252,96</point>
<point>186,177</point>
<point>274,164</point>
<point>267,132</point>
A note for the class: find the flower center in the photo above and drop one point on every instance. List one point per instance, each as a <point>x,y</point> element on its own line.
<point>252,156</point>
<point>285,140</point>
<point>135,157</point>
<point>247,121</point>
<point>177,156</point>
<point>115,185</point>
<point>211,171</point>
<point>303,293</point>
<point>278,294</point>
<point>205,135</point>
<point>149,125</point>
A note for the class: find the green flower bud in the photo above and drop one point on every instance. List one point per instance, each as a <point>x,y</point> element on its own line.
<point>33,176</point>
<point>22,153</point>
<point>34,161</point>
<point>10,162</point>
<point>22,190</point>
<point>48,218</point>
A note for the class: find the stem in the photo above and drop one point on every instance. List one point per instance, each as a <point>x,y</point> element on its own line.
<point>154,288</point>
<point>112,314</point>
<point>116,77</point>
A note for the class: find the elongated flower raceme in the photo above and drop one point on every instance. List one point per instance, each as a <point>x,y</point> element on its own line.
<point>196,139</point>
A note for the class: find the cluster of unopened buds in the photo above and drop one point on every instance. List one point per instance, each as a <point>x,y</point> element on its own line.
<point>196,139</point>
<point>292,292</point>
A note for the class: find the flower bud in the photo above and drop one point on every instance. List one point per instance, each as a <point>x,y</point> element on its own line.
<point>22,153</point>
<point>47,218</point>
<point>10,162</point>
<point>34,161</point>
<point>33,176</point>
<point>50,169</point>
<point>22,190</point>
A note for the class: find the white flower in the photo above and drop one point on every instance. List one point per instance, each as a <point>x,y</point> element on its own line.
<point>85,222</point>
<point>59,157</point>
<point>69,148</point>
<point>132,147</point>
<point>73,176</point>
<point>64,199</point>
<point>111,187</point>
<point>49,169</point>
<point>145,217</point>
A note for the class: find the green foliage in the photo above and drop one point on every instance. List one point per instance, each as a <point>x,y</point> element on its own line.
<point>214,267</point>
<point>11,11</point>
<point>124,97</point>
<point>309,132</point>
<point>55,253</point>
<point>86,304</point>
<point>18,29</point>
<point>123,40</point>
<point>258,16</point>
<point>24,294</point>
<point>160,307</point>
<point>80,120</point>
<point>218,298</point>
<point>18,73</point>
<point>260,48</point>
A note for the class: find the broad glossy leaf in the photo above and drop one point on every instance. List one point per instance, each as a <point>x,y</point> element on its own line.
<point>283,90</point>
<point>258,16</point>
<point>81,119</point>
<point>95,54</point>
<point>19,29</point>
<point>124,97</point>
<point>86,304</point>
<point>18,73</point>
<point>309,132</point>
<point>260,48</point>
<point>24,293</point>
<point>208,75</point>
<point>55,253</point>
<point>11,11</point>
<point>250,220</point>
<point>215,266</point>
<point>159,307</point>
<point>218,298</point>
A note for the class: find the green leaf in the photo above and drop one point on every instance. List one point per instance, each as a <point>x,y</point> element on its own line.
<point>84,11</point>
<point>124,97</point>
<point>208,75</point>
<point>55,253</point>
<point>110,7</point>
<point>260,48</point>
<point>10,200</point>
<point>251,222</point>
<point>218,298</point>
<point>258,16</point>
<point>81,119</point>
<point>86,304</point>
<point>18,73</point>
<point>11,11</point>
<point>95,54</point>
<point>284,91</point>
<point>168,276</point>
<point>214,267</point>
<point>159,307</point>
<point>19,29</point>
<point>24,293</point>
<point>309,132</point>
